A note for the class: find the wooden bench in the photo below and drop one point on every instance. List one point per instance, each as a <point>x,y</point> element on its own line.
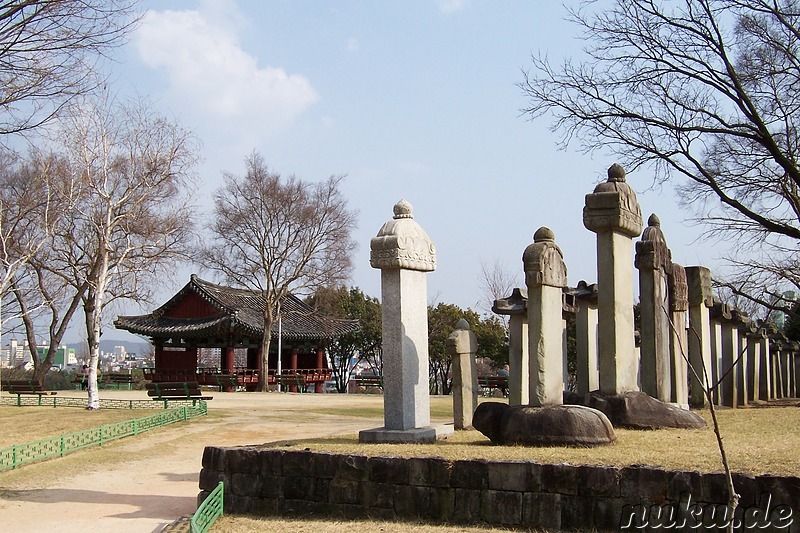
<point>490,383</point>
<point>176,390</point>
<point>24,386</point>
<point>367,382</point>
<point>117,379</point>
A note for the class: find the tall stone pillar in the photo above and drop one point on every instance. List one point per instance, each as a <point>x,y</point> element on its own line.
<point>720,315</point>
<point>613,213</point>
<point>678,349</point>
<point>462,345</point>
<point>730,351</point>
<point>545,276</point>
<point>754,346</point>
<point>586,338</point>
<point>765,369</point>
<point>744,327</point>
<point>516,306</point>
<point>777,369</point>
<point>653,259</point>
<point>700,300</point>
<point>404,254</point>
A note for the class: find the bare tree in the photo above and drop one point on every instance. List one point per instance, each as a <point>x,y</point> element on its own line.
<point>496,282</point>
<point>278,235</point>
<point>31,204</point>
<point>130,172</point>
<point>49,50</point>
<point>705,91</point>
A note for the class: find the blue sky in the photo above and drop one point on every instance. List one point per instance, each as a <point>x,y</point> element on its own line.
<point>415,100</point>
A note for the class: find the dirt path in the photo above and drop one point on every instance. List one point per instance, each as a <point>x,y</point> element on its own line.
<point>142,483</point>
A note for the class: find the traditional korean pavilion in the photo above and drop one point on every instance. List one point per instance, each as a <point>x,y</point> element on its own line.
<point>207,315</point>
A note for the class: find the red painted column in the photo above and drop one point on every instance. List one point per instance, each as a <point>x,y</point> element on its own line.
<point>226,365</point>
<point>321,366</point>
<point>293,367</point>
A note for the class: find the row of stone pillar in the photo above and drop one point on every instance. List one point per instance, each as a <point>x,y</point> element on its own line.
<point>689,342</point>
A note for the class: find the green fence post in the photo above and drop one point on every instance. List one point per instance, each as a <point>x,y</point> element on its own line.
<point>62,445</point>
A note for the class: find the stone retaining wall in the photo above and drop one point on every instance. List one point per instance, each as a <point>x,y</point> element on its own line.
<point>268,481</point>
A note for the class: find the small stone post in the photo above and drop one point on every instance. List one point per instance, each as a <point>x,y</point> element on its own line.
<point>654,260</point>
<point>462,345</point>
<point>613,213</point>
<point>678,349</point>
<point>516,306</point>
<point>404,254</point>
<point>700,297</point>
<point>586,338</point>
<point>545,276</point>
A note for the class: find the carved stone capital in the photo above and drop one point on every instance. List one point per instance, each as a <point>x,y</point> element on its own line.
<point>544,262</point>
<point>402,243</point>
<point>613,206</point>
<point>678,289</point>
<point>698,279</point>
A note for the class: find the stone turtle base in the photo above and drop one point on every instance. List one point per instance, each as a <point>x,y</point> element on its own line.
<point>268,481</point>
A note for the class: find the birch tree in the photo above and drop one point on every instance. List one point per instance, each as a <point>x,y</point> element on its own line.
<point>277,235</point>
<point>132,174</point>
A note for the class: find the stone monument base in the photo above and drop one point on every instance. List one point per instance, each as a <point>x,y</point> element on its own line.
<point>423,435</point>
<point>637,410</point>
<point>555,425</point>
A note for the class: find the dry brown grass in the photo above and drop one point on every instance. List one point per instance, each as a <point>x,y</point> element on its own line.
<point>757,441</point>
<point>26,424</point>
<point>242,524</point>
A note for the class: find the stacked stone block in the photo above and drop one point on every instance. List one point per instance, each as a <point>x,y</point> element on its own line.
<point>519,494</point>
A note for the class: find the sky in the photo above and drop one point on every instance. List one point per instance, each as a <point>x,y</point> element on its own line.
<point>414,100</point>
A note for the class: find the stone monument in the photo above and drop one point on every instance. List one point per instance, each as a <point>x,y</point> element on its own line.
<point>404,254</point>
<point>545,276</point>
<point>613,213</point>
<point>461,346</point>
<point>654,260</point>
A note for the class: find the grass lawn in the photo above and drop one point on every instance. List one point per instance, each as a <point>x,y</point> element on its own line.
<point>757,441</point>
<point>26,424</point>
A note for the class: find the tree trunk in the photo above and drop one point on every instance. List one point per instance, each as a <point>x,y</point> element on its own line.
<point>266,340</point>
<point>93,340</point>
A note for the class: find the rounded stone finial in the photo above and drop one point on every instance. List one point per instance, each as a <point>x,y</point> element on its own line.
<point>654,220</point>
<point>616,172</point>
<point>544,234</point>
<point>462,324</point>
<point>403,209</point>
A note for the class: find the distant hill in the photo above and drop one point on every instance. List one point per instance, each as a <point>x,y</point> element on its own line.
<point>107,345</point>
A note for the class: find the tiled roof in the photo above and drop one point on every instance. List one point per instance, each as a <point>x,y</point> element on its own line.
<point>239,309</point>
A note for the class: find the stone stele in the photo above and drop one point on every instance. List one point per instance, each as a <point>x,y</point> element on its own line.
<point>404,254</point>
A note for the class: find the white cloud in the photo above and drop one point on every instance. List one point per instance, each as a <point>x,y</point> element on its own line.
<point>210,73</point>
<point>451,6</point>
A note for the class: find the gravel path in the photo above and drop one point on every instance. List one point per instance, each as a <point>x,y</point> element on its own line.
<point>157,481</point>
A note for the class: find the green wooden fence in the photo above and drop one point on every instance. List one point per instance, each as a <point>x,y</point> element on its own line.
<point>209,510</point>
<point>29,452</point>
<point>24,400</point>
